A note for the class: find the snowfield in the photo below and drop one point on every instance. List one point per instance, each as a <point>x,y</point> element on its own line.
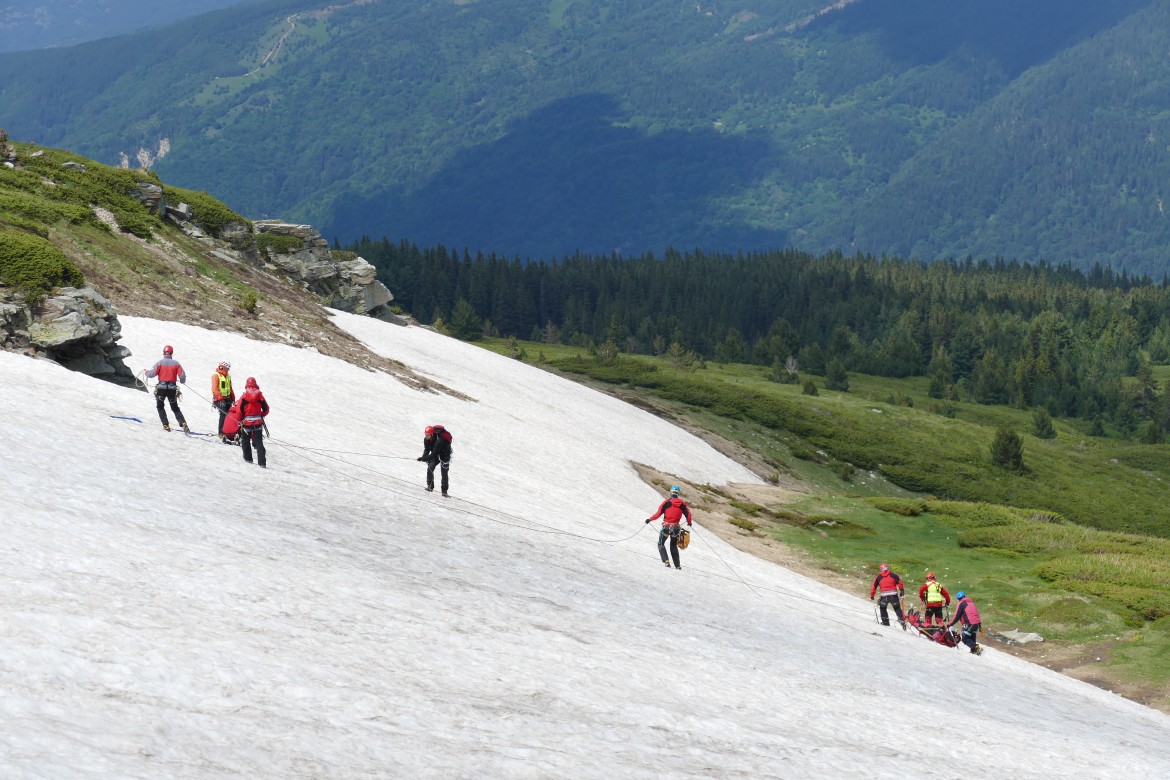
<point>170,611</point>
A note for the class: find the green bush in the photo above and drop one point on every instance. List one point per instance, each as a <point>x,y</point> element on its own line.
<point>280,245</point>
<point>1138,583</point>
<point>206,211</point>
<point>907,507</point>
<point>248,301</point>
<point>34,266</point>
<point>743,523</point>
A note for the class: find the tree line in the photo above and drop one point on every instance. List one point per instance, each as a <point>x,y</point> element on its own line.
<point>1037,335</point>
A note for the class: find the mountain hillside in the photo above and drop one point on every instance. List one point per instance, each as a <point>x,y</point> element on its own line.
<point>173,611</point>
<point>50,23</point>
<point>924,127</point>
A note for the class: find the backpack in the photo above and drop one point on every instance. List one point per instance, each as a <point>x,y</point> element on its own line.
<point>441,431</point>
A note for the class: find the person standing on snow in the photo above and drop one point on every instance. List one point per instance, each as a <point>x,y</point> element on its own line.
<point>222,394</point>
<point>892,591</point>
<point>934,596</point>
<point>967,614</point>
<point>672,511</point>
<point>251,410</point>
<point>436,452</point>
<point>170,373</point>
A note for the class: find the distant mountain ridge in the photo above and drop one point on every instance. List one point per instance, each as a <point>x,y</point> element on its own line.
<point>926,128</point>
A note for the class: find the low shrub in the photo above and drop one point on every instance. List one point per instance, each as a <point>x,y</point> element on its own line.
<point>743,523</point>
<point>907,507</point>
<point>206,211</point>
<point>280,245</point>
<point>34,266</point>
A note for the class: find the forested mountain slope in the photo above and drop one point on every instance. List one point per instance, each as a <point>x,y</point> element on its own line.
<point>48,23</point>
<point>926,127</point>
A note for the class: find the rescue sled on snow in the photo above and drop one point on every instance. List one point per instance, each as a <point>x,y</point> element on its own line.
<point>940,634</point>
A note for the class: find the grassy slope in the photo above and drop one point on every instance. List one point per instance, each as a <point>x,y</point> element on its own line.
<point>1097,595</point>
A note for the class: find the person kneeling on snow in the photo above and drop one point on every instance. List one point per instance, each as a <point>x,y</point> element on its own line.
<point>892,591</point>
<point>967,614</point>
<point>250,411</point>
<point>672,510</point>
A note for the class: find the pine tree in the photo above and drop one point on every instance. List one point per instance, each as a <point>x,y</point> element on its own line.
<point>1042,426</point>
<point>836,378</point>
<point>465,323</point>
<point>1007,449</point>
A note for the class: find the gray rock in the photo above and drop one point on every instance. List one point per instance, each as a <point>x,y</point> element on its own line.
<point>1014,637</point>
<point>346,283</point>
<point>76,327</point>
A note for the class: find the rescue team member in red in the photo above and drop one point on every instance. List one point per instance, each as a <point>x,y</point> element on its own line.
<point>892,590</point>
<point>437,452</point>
<point>169,372</point>
<point>251,410</point>
<point>672,510</point>
<point>934,596</point>
<point>222,394</point>
<point>967,614</point>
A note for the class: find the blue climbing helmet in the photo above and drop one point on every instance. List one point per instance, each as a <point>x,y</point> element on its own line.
<point>961,594</point>
<point>675,490</point>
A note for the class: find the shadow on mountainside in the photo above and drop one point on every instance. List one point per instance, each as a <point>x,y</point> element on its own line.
<point>1015,35</point>
<point>571,177</point>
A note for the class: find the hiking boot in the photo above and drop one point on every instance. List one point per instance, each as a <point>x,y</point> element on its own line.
<point>166,427</point>
<point>183,425</point>
<point>430,488</point>
<point>666,564</point>
<point>678,566</point>
<point>977,650</point>
<point>444,494</point>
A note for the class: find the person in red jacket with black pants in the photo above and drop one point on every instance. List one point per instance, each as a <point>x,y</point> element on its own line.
<point>251,410</point>
<point>170,375</point>
<point>672,510</point>
<point>892,591</point>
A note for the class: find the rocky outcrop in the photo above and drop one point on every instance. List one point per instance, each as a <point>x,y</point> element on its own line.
<point>342,280</point>
<point>76,327</point>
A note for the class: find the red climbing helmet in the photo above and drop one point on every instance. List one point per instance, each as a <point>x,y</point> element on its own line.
<point>168,350</point>
<point>251,384</point>
<point>884,567</point>
<point>429,431</point>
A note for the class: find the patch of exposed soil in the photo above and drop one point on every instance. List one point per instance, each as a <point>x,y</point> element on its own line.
<point>183,279</point>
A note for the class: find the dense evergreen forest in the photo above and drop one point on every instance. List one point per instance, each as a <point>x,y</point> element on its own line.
<point>1032,335</point>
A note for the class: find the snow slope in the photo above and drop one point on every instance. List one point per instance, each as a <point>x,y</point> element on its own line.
<point>170,611</point>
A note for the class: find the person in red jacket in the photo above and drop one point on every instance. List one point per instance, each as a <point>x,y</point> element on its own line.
<point>892,591</point>
<point>251,410</point>
<point>672,511</point>
<point>170,374</point>
<point>222,394</point>
<point>934,597</point>
<point>967,614</point>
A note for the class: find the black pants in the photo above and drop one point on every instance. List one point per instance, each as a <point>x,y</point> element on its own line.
<point>249,435</point>
<point>894,601</point>
<point>223,407</point>
<point>971,634</point>
<point>670,531</point>
<point>446,466</point>
<point>171,394</point>
<point>935,611</point>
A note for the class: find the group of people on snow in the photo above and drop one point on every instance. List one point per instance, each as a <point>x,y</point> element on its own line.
<point>890,590</point>
<point>241,420</point>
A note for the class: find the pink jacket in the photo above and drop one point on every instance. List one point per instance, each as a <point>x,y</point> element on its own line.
<point>966,612</point>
